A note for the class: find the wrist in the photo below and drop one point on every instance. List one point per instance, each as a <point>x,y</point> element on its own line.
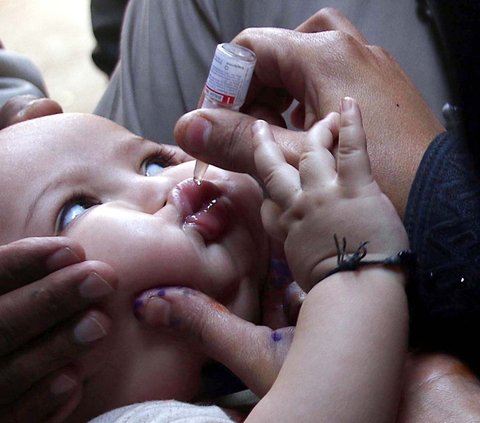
<point>402,262</point>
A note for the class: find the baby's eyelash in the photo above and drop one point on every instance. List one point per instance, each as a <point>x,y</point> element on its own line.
<point>78,196</point>
<point>167,155</point>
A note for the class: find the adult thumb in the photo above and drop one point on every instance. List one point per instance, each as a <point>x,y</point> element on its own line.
<point>253,353</point>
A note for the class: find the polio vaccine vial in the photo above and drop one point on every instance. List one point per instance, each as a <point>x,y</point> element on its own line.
<point>227,84</point>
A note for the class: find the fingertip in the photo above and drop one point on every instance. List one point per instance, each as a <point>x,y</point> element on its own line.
<point>258,126</point>
<point>64,256</point>
<point>262,132</point>
<point>350,111</point>
<point>192,132</point>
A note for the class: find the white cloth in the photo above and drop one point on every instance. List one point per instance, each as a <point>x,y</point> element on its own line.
<point>164,412</point>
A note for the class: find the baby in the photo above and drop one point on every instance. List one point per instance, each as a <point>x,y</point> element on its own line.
<point>139,210</point>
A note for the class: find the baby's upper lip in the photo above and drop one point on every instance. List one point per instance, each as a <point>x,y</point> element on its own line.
<point>190,197</point>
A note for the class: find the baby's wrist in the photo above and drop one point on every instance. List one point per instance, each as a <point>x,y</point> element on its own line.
<point>403,261</point>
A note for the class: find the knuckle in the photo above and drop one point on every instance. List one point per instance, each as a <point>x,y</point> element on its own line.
<point>327,14</point>
<point>48,301</point>
<point>343,41</point>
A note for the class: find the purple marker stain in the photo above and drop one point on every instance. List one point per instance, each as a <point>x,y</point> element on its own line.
<point>280,275</point>
<point>276,336</point>
<point>136,308</point>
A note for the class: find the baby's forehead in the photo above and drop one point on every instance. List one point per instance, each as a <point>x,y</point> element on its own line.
<point>59,132</point>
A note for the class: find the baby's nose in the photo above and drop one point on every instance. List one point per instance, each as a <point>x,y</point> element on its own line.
<point>150,194</point>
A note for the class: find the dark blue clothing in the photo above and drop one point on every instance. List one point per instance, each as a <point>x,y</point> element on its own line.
<point>443,223</point>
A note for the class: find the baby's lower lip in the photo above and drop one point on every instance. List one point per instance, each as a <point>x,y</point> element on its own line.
<point>211,220</point>
<point>202,207</point>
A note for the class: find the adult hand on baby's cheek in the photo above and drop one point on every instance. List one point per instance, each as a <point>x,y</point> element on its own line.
<point>49,318</point>
<point>254,353</point>
<point>332,191</point>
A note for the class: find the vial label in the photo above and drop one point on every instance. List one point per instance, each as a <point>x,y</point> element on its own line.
<point>229,77</point>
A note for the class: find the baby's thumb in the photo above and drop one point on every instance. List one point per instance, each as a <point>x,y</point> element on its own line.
<point>254,353</point>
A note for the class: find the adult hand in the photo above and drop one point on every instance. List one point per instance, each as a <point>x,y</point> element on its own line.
<point>25,107</point>
<point>439,388</point>
<point>325,59</point>
<point>254,353</point>
<point>49,318</point>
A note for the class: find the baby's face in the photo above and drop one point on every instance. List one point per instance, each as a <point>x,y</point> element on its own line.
<point>87,178</point>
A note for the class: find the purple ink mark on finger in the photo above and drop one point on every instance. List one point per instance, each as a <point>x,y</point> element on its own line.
<point>137,305</point>
<point>276,336</point>
<point>161,292</point>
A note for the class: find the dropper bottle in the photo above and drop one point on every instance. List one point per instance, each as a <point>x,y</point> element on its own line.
<point>227,85</point>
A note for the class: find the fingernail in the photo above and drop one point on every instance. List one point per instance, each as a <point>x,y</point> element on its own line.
<point>257,126</point>
<point>62,257</point>
<point>197,134</point>
<point>62,384</point>
<point>152,309</point>
<point>94,286</point>
<point>88,330</point>
<point>157,312</point>
<point>347,104</point>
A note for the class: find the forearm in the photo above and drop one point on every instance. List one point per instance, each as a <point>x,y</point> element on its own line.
<point>365,314</point>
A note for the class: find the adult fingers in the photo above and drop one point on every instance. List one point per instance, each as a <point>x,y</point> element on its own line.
<point>331,19</point>
<point>224,138</point>
<point>254,353</point>
<point>31,310</point>
<point>281,179</point>
<point>353,163</point>
<point>52,400</point>
<point>24,369</point>
<point>276,296</point>
<point>30,259</point>
<point>26,107</point>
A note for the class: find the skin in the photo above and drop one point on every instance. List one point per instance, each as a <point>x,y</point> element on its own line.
<point>136,225</point>
<point>54,266</point>
<point>398,123</point>
<point>352,327</point>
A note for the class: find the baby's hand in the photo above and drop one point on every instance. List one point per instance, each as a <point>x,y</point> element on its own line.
<point>331,193</point>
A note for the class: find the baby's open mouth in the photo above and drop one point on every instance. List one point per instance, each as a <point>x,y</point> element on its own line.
<point>202,207</point>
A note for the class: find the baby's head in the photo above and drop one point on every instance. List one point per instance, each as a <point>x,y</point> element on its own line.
<point>136,208</point>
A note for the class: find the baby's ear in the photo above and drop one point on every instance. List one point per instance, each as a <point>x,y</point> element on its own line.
<point>25,107</point>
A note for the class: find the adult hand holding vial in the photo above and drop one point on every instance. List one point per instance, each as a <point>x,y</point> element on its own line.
<point>227,85</point>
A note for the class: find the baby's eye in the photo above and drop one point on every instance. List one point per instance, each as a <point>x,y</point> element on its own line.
<point>72,210</point>
<point>153,166</point>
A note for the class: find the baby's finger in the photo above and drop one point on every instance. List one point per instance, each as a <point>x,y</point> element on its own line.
<point>317,166</point>
<point>281,179</point>
<point>271,213</point>
<point>254,353</point>
<point>353,163</point>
